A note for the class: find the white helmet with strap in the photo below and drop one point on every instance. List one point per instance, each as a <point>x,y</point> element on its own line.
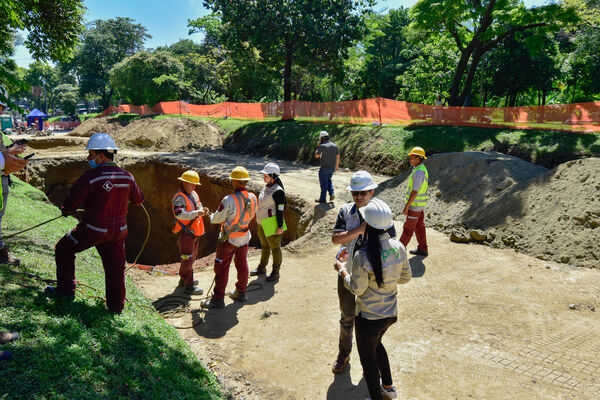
<point>101,141</point>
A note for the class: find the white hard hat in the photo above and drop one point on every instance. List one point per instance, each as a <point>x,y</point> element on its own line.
<point>361,180</point>
<point>101,141</point>
<point>270,168</point>
<point>377,214</point>
<point>323,134</point>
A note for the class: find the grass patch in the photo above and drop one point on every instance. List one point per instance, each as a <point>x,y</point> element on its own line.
<point>78,350</point>
<point>383,149</point>
<point>84,117</point>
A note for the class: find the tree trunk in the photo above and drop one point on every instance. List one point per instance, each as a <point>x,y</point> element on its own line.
<point>471,75</point>
<point>457,78</point>
<point>287,74</point>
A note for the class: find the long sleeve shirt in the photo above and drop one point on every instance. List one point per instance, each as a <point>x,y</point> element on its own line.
<point>226,213</point>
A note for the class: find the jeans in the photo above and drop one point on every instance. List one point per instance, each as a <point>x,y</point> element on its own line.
<point>347,310</point>
<point>373,357</point>
<point>325,175</point>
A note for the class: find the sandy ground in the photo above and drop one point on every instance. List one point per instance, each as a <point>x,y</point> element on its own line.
<point>474,322</point>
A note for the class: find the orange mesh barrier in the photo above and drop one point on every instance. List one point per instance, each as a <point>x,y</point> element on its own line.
<point>580,117</point>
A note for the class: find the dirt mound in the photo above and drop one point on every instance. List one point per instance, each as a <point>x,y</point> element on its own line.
<point>108,125</point>
<point>169,134</point>
<point>503,201</point>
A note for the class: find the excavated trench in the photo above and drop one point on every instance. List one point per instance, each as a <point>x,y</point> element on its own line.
<point>157,180</point>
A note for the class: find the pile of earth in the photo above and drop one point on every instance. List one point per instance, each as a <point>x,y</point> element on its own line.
<point>94,125</point>
<point>169,134</point>
<point>503,201</point>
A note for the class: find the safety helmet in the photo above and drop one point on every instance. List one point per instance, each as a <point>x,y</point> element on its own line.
<point>240,174</point>
<point>323,135</point>
<point>417,151</point>
<point>101,141</point>
<point>270,168</point>
<point>190,177</point>
<point>377,214</point>
<point>361,180</point>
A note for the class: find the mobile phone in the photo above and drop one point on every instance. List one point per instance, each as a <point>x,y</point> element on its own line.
<point>28,156</point>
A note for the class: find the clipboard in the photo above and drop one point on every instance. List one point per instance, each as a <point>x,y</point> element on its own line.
<point>269,225</point>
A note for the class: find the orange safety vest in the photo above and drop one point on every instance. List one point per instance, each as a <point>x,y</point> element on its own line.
<point>245,206</point>
<point>194,226</point>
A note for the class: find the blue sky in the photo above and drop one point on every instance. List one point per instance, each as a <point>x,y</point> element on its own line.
<point>166,21</point>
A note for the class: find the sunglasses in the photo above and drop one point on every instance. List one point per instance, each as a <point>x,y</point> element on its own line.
<point>362,193</point>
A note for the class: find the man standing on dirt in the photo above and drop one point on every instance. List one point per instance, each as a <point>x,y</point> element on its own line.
<point>347,232</point>
<point>235,213</point>
<point>104,192</point>
<point>329,156</point>
<point>416,200</point>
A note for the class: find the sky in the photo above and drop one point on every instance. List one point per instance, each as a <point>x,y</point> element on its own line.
<point>167,21</point>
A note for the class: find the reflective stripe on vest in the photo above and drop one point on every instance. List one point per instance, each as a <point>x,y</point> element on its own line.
<point>193,227</point>
<point>422,195</point>
<point>245,207</point>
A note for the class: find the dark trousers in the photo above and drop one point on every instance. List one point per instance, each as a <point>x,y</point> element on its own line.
<point>325,175</point>
<point>188,248</point>
<point>373,356</point>
<point>225,252</point>
<point>347,310</point>
<point>415,222</point>
<point>110,246</point>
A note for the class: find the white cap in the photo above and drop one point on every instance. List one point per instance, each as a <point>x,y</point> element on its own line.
<point>323,134</point>
<point>361,180</point>
<point>377,214</point>
<point>101,141</point>
<point>270,168</point>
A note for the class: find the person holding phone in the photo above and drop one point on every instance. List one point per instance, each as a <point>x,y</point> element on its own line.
<point>372,272</point>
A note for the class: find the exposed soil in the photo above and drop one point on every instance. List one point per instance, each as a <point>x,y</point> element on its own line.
<point>94,125</point>
<point>475,321</point>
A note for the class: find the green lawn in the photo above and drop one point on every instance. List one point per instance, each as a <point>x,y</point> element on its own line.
<point>78,350</point>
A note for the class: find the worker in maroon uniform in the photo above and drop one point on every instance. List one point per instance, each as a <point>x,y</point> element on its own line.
<point>188,212</point>
<point>103,192</point>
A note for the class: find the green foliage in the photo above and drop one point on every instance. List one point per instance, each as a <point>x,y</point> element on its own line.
<point>102,46</point>
<point>67,98</point>
<point>148,78</point>
<point>78,350</point>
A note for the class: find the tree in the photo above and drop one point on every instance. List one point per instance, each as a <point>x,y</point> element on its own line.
<point>310,33</point>
<point>477,26</point>
<point>102,46</point>
<point>66,98</point>
<point>148,78</point>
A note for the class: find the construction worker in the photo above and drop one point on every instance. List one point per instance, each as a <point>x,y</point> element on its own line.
<point>347,232</point>
<point>104,192</point>
<point>271,204</point>
<point>9,163</point>
<point>329,158</point>
<point>416,200</point>
<point>372,274</point>
<point>234,214</point>
<point>188,212</point>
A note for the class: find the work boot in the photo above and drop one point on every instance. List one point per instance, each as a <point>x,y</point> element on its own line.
<point>192,289</point>
<point>419,252</point>
<point>331,197</point>
<point>7,337</point>
<point>340,364</point>
<point>320,201</point>
<point>6,258</point>
<point>238,296</point>
<point>182,282</point>
<point>213,303</point>
<point>258,271</point>
<point>52,291</point>
<point>273,276</point>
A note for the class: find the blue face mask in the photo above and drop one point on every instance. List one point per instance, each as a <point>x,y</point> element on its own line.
<point>92,163</point>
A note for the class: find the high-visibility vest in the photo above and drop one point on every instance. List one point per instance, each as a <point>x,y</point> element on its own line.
<point>421,198</point>
<point>245,208</point>
<point>194,226</point>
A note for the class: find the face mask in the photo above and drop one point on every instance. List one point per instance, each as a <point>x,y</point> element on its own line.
<point>92,163</point>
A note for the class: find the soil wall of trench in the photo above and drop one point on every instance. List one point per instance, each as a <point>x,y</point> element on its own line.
<point>157,180</point>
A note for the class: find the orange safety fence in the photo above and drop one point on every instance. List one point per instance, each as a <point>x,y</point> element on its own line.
<point>64,125</point>
<point>578,117</point>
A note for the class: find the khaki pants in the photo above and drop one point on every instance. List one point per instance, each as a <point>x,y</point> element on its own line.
<point>269,244</point>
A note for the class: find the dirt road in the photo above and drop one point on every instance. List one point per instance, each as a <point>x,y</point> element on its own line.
<point>474,323</point>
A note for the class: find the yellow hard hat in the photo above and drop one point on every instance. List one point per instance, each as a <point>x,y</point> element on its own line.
<point>240,174</point>
<point>417,151</point>
<point>190,177</point>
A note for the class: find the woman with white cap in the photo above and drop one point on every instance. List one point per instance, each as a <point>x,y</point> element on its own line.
<point>270,224</point>
<point>375,270</point>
